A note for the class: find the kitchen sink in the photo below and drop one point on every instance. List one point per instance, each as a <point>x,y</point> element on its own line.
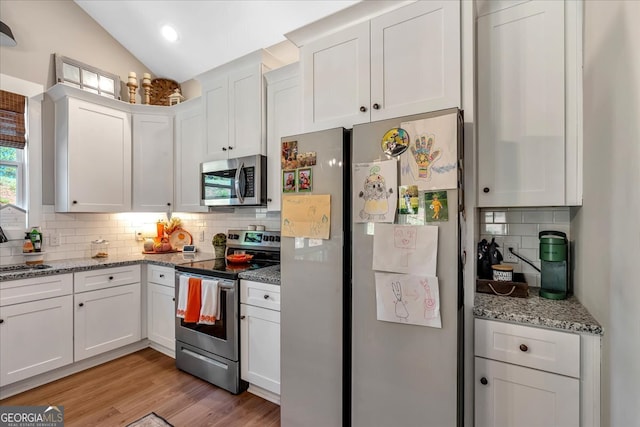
<point>22,267</point>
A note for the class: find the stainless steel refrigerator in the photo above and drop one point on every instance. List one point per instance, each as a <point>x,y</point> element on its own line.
<point>340,366</point>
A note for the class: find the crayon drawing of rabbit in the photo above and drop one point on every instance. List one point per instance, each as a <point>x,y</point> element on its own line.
<point>401,307</point>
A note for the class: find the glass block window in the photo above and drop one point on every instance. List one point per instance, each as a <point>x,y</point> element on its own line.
<point>75,73</point>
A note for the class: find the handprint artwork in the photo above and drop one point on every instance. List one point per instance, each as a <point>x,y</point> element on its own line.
<point>431,161</point>
<point>425,155</point>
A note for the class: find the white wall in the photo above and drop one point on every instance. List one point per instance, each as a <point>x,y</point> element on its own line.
<point>607,227</point>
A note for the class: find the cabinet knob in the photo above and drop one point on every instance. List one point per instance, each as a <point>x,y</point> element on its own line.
<point>266,296</point>
<point>230,147</point>
<point>224,148</point>
<point>75,202</point>
<point>484,381</point>
<point>269,200</point>
<point>242,317</point>
<point>173,299</point>
<point>1,320</point>
<point>162,276</point>
<point>486,189</point>
<point>523,347</point>
<point>110,277</point>
<point>363,109</point>
<point>81,304</point>
<point>376,106</point>
<point>168,203</point>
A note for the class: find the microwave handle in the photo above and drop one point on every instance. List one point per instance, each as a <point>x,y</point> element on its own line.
<point>237,183</point>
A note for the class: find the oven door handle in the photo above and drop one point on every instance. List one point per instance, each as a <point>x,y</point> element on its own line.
<point>237,183</point>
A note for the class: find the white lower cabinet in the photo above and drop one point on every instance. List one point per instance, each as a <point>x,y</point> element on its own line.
<point>107,318</point>
<point>535,377</point>
<point>35,337</point>
<point>161,308</point>
<point>260,336</point>
<point>511,395</point>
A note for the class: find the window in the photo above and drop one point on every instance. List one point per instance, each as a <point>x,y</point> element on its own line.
<point>75,73</point>
<point>13,138</point>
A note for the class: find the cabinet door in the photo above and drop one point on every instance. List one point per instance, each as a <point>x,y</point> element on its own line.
<point>284,118</point>
<point>35,337</point>
<point>215,97</point>
<point>523,397</point>
<point>152,163</point>
<point>98,175</point>
<point>247,129</point>
<point>161,315</point>
<point>415,59</point>
<point>106,319</point>
<point>521,106</point>
<point>260,347</point>
<point>336,82</point>
<point>189,143</point>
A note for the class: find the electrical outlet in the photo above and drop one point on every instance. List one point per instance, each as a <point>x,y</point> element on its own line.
<point>54,239</point>
<point>202,236</point>
<point>508,256</point>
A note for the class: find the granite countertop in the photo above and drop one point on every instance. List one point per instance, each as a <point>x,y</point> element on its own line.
<point>268,275</point>
<point>80,264</point>
<point>568,314</point>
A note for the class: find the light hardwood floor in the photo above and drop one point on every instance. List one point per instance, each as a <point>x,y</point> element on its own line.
<point>119,392</point>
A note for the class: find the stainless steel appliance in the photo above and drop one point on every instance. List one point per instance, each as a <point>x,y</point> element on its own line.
<point>234,182</point>
<point>212,352</point>
<point>339,364</point>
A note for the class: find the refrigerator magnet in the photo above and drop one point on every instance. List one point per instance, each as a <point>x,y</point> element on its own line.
<point>304,180</point>
<point>395,142</point>
<point>288,181</point>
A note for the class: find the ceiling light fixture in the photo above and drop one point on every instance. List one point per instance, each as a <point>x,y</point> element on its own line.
<point>6,36</point>
<point>169,33</point>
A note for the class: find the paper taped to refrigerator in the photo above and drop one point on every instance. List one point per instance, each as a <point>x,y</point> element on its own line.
<point>432,158</point>
<point>408,299</point>
<point>374,191</point>
<point>306,216</point>
<point>409,249</point>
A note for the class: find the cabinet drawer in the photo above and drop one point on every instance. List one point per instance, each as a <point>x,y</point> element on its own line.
<point>105,278</point>
<point>161,275</point>
<point>537,348</point>
<point>35,288</point>
<point>260,294</point>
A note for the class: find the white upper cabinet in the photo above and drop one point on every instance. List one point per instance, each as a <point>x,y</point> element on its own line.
<point>528,114</point>
<point>93,152</point>
<point>284,118</point>
<point>233,98</point>
<point>335,77</point>
<point>152,162</point>
<point>189,152</point>
<point>406,61</point>
<point>415,59</point>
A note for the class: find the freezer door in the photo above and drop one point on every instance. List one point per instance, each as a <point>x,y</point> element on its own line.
<point>311,297</point>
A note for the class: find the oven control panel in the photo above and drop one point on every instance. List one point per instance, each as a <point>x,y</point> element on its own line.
<point>251,238</point>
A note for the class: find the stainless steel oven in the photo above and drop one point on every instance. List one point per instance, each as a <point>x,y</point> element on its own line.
<point>212,352</point>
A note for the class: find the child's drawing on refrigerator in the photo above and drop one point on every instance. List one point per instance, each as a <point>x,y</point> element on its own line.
<point>406,299</point>
<point>373,192</point>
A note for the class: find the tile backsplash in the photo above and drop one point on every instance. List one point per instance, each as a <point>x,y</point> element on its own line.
<point>520,226</point>
<point>77,230</point>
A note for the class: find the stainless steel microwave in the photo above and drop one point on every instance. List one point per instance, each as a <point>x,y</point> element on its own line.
<point>234,182</point>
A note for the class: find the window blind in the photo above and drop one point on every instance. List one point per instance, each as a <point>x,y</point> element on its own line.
<point>12,120</point>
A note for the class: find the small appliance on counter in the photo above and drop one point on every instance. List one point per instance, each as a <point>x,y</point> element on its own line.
<point>554,271</point>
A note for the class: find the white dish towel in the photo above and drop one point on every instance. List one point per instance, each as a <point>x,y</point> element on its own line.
<point>210,310</point>
<point>182,296</point>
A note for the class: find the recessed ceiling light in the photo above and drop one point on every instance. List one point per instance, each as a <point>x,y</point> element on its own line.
<point>169,33</point>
